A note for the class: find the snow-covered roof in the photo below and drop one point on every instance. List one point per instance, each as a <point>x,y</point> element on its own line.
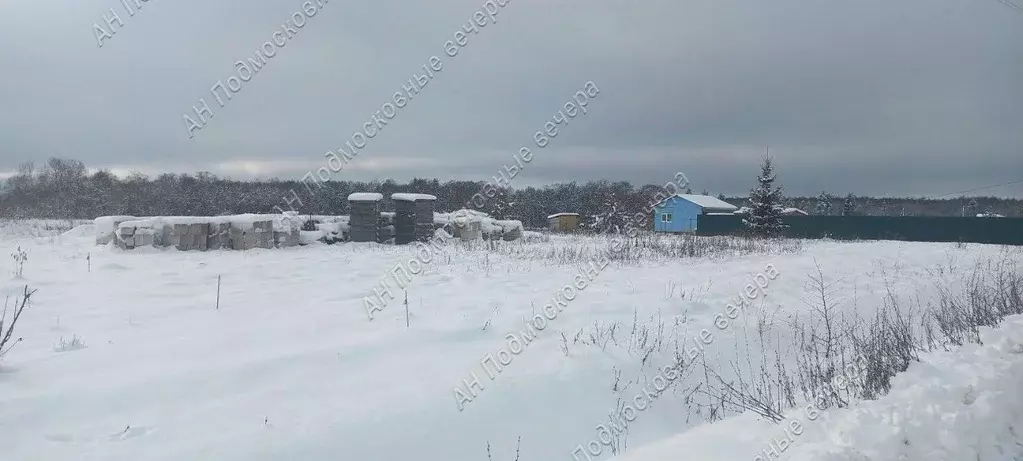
<point>365,197</point>
<point>707,202</point>
<point>556,215</point>
<point>794,211</point>
<point>406,197</point>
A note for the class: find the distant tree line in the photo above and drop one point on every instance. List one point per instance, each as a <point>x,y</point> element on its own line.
<point>64,189</point>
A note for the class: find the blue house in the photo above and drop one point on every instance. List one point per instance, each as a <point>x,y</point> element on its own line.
<point>678,213</point>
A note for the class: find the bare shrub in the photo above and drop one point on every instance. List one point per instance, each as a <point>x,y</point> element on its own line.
<point>518,446</point>
<point>991,292</point>
<point>7,324</point>
<point>19,256</point>
<point>839,356</point>
<point>640,249</point>
<point>73,343</point>
<point>866,353</point>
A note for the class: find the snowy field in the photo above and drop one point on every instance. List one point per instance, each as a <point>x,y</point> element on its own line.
<point>125,356</point>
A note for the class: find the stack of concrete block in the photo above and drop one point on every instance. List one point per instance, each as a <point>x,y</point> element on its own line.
<point>260,235</point>
<point>169,238</point>
<point>263,234</point>
<point>287,238</point>
<point>107,228</point>
<point>365,216</point>
<point>219,236</point>
<point>126,237</point>
<point>424,218</point>
<point>413,218</point>
<point>472,230</point>
<point>131,237</point>
<point>404,221</point>
<point>385,233</point>
<point>514,233</point>
<point>192,236</point>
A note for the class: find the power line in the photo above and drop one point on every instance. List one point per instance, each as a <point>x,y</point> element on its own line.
<point>1011,4</point>
<point>980,188</point>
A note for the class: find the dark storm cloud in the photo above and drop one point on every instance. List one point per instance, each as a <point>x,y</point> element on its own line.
<point>872,97</point>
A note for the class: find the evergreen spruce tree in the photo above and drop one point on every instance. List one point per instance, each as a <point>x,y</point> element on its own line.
<point>824,204</point>
<point>849,207</point>
<point>764,218</point>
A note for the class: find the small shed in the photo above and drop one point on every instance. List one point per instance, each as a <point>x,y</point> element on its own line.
<point>794,212</point>
<point>563,222</point>
<point>365,216</point>
<point>678,213</point>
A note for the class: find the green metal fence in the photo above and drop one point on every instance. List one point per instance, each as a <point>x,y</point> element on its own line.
<point>1006,231</point>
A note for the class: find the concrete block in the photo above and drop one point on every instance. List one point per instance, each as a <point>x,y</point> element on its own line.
<point>111,236</point>
<point>219,236</point>
<point>287,239</point>
<point>198,232</point>
<point>183,240</point>
<point>263,234</point>
<point>169,237</point>
<point>514,234</point>
<point>470,231</point>
<point>237,239</point>
<point>260,235</point>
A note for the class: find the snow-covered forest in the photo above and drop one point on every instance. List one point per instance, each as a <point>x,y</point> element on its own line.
<point>67,189</point>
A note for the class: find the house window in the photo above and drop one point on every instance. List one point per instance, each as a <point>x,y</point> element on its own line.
<point>665,217</point>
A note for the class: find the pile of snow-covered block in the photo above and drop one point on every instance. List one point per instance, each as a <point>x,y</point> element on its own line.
<point>364,222</point>
<point>330,228</point>
<point>106,227</point>
<point>415,218</point>
<point>248,231</point>
<point>473,225</point>
<point>239,232</point>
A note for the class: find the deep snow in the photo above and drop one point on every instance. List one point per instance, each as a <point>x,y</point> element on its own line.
<point>961,405</point>
<point>289,367</point>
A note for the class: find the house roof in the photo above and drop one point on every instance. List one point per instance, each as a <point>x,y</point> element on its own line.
<point>555,215</point>
<point>706,202</point>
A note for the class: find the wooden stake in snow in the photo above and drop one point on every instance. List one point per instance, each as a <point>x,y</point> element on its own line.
<point>88,259</point>
<point>218,292</point>
<point>406,310</point>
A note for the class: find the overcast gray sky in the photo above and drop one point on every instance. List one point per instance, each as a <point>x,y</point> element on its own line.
<point>874,97</point>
